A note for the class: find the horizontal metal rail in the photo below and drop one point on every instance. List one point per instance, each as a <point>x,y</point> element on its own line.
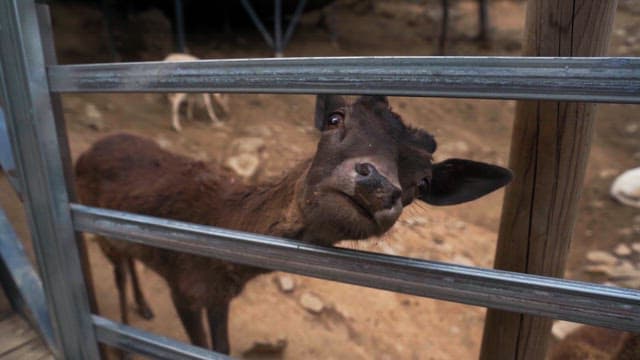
<point>570,79</point>
<point>563,299</point>
<point>141,342</point>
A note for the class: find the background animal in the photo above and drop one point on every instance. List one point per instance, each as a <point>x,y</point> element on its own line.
<point>177,99</point>
<point>367,167</point>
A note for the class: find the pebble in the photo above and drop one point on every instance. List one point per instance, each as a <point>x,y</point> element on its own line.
<point>286,283</point>
<point>626,188</point>
<point>247,145</point>
<point>636,247</point>
<point>622,250</point>
<point>311,303</point>
<point>631,128</point>
<point>265,347</point>
<point>415,221</point>
<point>561,328</point>
<point>462,260</point>
<point>625,231</point>
<point>245,165</point>
<point>93,117</point>
<point>601,257</point>
<point>608,173</point>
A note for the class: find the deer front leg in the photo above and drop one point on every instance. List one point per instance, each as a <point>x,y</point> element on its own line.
<point>143,307</point>
<point>218,316</point>
<point>191,320</point>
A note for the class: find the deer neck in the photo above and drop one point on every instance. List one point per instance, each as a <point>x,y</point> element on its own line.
<point>271,208</point>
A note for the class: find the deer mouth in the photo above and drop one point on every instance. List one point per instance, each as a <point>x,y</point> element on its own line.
<point>382,219</point>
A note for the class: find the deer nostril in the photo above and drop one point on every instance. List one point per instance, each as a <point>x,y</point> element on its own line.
<point>395,195</point>
<point>364,169</point>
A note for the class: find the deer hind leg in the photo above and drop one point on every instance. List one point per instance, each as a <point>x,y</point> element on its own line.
<point>143,307</point>
<point>191,320</point>
<point>218,317</point>
<point>120,274</point>
<point>176,100</point>
<point>223,101</point>
<point>207,104</point>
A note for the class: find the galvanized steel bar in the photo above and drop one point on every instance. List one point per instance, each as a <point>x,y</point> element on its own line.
<point>257,22</point>
<point>563,299</point>
<point>277,27</point>
<point>570,79</point>
<point>141,342</point>
<point>295,19</point>
<point>36,150</point>
<point>22,284</point>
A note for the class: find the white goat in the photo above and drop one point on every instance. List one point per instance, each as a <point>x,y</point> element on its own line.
<point>176,99</point>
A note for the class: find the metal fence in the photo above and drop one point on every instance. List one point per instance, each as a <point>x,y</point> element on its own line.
<point>31,82</point>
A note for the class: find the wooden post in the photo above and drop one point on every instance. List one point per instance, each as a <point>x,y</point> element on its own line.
<point>549,152</point>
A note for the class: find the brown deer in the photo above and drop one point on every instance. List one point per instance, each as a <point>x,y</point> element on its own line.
<point>367,166</point>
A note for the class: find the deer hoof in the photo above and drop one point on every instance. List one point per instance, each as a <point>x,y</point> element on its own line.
<point>145,313</point>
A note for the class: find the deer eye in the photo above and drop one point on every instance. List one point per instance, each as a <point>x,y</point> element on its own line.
<point>335,120</point>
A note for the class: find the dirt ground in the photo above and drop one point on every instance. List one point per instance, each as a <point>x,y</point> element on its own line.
<point>355,323</point>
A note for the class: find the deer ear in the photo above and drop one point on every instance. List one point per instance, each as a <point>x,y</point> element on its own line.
<point>456,181</point>
<point>325,105</point>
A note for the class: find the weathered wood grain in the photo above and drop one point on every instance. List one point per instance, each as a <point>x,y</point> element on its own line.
<point>549,152</point>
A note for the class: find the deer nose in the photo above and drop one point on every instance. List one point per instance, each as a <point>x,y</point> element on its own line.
<point>373,190</point>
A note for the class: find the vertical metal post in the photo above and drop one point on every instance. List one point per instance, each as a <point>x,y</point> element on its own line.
<point>179,26</point>
<point>549,152</point>
<point>295,19</point>
<point>483,20</point>
<point>257,22</point>
<point>49,51</point>
<point>277,26</point>
<point>35,142</point>
<point>444,27</point>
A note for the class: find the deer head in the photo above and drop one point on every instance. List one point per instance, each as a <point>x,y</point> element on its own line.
<point>369,164</point>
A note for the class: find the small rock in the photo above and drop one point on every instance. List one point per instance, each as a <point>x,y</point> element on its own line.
<point>93,117</point>
<point>260,131</point>
<point>245,165</point>
<point>386,248</point>
<point>265,347</point>
<point>608,173</point>
<point>246,145</point>
<point>598,269</point>
<point>631,128</point>
<point>588,233</point>
<point>286,283</point>
<point>636,247</point>
<point>626,188</point>
<point>311,303</point>
<point>621,32</point>
<point>462,260</point>
<point>415,221</point>
<point>561,328</point>
<point>622,250</point>
<point>459,225</point>
<point>601,257</point>
<point>625,231</point>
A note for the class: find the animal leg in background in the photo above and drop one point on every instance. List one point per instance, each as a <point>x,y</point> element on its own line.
<point>143,307</point>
